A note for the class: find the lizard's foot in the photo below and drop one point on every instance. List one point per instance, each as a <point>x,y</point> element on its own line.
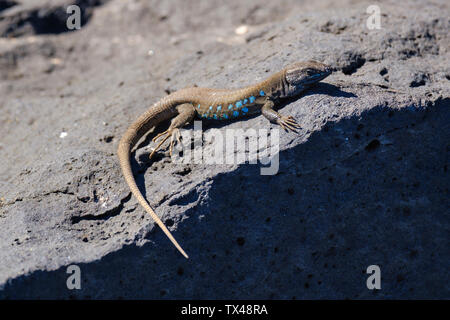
<point>174,133</point>
<point>288,123</point>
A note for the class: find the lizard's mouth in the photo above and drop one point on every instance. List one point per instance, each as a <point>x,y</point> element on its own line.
<point>317,77</point>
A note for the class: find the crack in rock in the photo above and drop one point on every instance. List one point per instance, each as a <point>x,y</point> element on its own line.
<point>114,211</point>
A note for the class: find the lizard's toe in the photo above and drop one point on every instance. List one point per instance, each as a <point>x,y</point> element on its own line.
<point>167,134</point>
<point>289,123</point>
<point>158,136</point>
<point>173,134</point>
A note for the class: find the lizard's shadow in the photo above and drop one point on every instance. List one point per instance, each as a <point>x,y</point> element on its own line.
<point>327,89</point>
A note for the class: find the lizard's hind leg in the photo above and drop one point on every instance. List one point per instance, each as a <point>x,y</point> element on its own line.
<point>186,113</point>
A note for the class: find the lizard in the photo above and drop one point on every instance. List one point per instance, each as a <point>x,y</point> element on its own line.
<point>183,106</point>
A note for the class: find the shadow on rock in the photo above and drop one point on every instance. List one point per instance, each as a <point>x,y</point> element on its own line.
<point>368,190</point>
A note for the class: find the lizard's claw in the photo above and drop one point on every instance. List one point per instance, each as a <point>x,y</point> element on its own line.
<point>174,133</point>
<point>288,123</point>
<point>159,135</point>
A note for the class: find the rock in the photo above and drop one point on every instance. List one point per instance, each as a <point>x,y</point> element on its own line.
<point>365,182</point>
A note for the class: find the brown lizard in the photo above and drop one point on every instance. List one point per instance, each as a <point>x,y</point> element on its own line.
<point>184,105</point>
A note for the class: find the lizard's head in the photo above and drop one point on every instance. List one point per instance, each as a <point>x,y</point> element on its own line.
<point>300,75</point>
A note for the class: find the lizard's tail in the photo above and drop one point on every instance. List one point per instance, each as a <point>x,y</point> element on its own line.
<point>124,158</point>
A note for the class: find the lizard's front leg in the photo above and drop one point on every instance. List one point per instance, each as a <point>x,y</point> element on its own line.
<point>186,113</point>
<point>287,123</point>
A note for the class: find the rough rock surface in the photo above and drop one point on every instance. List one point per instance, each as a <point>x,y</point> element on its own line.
<point>365,182</point>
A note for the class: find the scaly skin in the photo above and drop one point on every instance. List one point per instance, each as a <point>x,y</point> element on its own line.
<point>217,104</point>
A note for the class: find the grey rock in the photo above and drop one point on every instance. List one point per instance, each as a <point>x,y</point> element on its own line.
<point>364,182</point>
